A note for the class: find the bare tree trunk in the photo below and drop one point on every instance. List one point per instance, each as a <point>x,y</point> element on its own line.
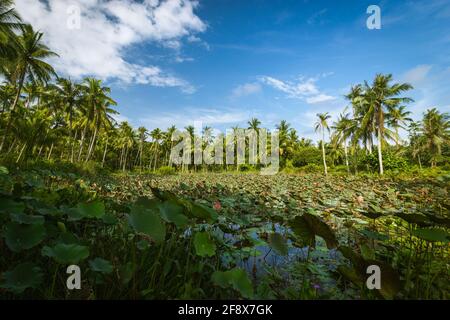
<point>50,152</point>
<point>323,153</point>
<point>346,156</point>
<point>104,152</point>
<point>380,155</point>
<point>21,152</point>
<point>91,147</point>
<point>83,136</point>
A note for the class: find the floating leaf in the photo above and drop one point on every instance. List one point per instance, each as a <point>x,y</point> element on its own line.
<point>236,278</point>
<point>148,222</point>
<point>374,235</point>
<point>25,275</point>
<point>21,236</point>
<point>278,243</point>
<point>66,253</point>
<point>414,218</point>
<point>204,246</point>
<point>432,234</point>
<point>101,265</point>
<point>203,212</point>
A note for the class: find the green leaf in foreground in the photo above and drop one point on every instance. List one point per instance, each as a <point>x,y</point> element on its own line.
<point>204,246</point>
<point>94,209</point>
<point>173,213</point>
<point>25,275</point>
<point>432,234</point>
<point>236,278</point>
<point>21,237</point>
<point>307,226</point>
<point>101,265</point>
<point>148,222</point>
<point>278,243</point>
<point>66,253</point>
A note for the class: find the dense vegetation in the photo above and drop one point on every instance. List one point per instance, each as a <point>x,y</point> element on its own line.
<point>78,188</point>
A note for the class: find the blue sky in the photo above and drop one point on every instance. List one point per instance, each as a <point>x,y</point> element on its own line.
<point>222,62</point>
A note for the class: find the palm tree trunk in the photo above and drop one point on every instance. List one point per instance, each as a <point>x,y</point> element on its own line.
<point>104,152</point>
<point>50,152</point>
<point>323,153</point>
<point>346,156</point>
<point>380,155</point>
<point>83,136</point>
<point>91,147</point>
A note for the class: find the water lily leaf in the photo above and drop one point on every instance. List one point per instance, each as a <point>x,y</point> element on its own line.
<point>25,275</point>
<point>148,222</point>
<point>303,231</point>
<point>173,213</point>
<point>21,236</point>
<point>94,209</point>
<point>101,265</point>
<point>204,245</point>
<point>66,253</point>
<point>237,279</point>
<point>432,234</point>
<point>278,243</point>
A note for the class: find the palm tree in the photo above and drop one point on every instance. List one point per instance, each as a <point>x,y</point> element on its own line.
<point>322,125</point>
<point>398,118</point>
<point>416,141</point>
<point>96,104</point>
<point>372,106</point>
<point>283,130</point>
<point>29,63</point>
<point>254,124</point>
<point>156,135</point>
<point>436,132</point>
<point>9,22</point>
<point>343,129</point>
<point>142,136</point>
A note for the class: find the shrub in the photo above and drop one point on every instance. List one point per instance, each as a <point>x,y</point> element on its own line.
<point>307,155</point>
<point>166,170</point>
<point>311,168</point>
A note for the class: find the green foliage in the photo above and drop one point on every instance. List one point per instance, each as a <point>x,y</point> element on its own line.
<point>204,245</point>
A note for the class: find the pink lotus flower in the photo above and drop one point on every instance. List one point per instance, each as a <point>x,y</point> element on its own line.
<point>217,206</point>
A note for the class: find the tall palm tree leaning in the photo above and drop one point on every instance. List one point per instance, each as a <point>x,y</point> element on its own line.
<point>379,97</point>
<point>9,22</point>
<point>322,125</point>
<point>28,63</point>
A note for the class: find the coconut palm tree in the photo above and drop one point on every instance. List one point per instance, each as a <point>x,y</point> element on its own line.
<point>254,124</point>
<point>9,22</point>
<point>398,118</point>
<point>343,129</point>
<point>322,125</point>
<point>142,132</point>
<point>372,106</point>
<point>436,132</point>
<point>28,63</point>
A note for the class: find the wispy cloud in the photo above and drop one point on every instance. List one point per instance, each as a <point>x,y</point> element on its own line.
<point>245,90</point>
<point>107,30</point>
<point>305,89</point>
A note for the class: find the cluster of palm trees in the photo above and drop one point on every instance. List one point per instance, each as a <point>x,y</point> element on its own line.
<point>379,112</point>
<point>43,116</point>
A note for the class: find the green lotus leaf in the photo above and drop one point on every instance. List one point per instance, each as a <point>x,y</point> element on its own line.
<point>101,265</point>
<point>278,243</point>
<point>21,236</point>
<point>204,245</point>
<point>147,222</point>
<point>25,275</point>
<point>66,253</point>
<point>432,235</point>
<point>236,278</point>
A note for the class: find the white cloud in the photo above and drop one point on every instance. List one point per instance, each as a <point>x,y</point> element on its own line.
<point>107,30</point>
<point>192,116</point>
<point>246,89</point>
<point>304,89</point>
<point>417,75</point>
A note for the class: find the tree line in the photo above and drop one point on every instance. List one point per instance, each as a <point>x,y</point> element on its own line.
<point>45,116</point>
